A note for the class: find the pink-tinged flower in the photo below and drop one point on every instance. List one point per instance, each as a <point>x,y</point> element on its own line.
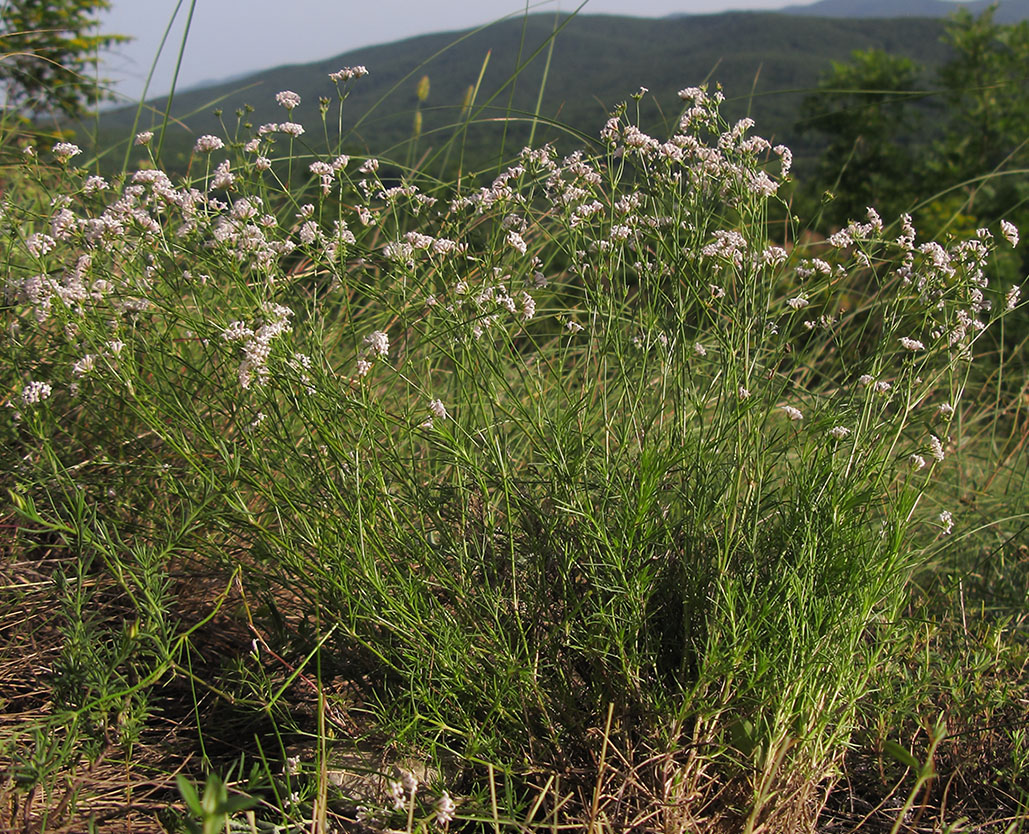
<point>785,157</point>
<point>839,432</point>
<point>1011,300</point>
<point>445,809</point>
<point>348,74</point>
<point>144,137</point>
<point>377,343</point>
<point>797,303</point>
<point>39,244</point>
<point>208,143</point>
<point>93,184</point>
<point>1010,232</point>
<point>287,99</point>
<point>910,344</point>
<point>65,151</point>
<point>516,241</point>
<point>793,413</point>
<point>437,408</point>
<point>223,178</point>
<point>35,391</point>
<point>84,365</point>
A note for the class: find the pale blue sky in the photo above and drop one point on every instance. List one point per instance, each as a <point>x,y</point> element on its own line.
<point>230,37</point>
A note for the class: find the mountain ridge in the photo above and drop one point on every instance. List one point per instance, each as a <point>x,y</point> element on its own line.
<point>1008,11</point>
<point>765,61</point>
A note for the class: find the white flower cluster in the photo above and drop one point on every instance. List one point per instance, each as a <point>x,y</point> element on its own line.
<point>287,99</point>
<point>35,391</point>
<point>65,151</point>
<point>348,74</point>
<point>257,343</point>
<point>207,144</point>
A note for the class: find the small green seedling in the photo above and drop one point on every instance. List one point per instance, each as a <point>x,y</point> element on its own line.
<point>216,807</point>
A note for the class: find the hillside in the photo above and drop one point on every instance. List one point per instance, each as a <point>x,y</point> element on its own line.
<point>765,63</point>
<point>1009,11</point>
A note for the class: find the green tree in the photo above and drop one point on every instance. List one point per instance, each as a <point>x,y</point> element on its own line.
<point>864,109</point>
<point>48,49</point>
<point>974,157</point>
<point>986,88</point>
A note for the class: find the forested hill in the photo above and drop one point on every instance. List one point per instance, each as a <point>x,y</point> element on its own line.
<point>765,62</point>
<point>1009,11</point>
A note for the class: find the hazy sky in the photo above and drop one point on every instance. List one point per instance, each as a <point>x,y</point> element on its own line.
<point>230,37</point>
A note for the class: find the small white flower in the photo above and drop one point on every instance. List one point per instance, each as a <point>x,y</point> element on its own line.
<point>699,349</point>
<point>363,366</point>
<point>348,73</point>
<point>573,327</point>
<point>396,790</point>
<point>66,150</point>
<point>945,409</point>
<point>947,520</point>
<point>839,432</point>
<point>35,391</point>
<point>797,303</point>
<point>369,166</point>
<point>882,387</point>
<point>936,448</point>
<point>1012,297</point>
<point>865,380</point>
<point>144,137</point>
<point>917,462</point>
<point>437,408</point>
<point>287,99</point>
<point>716,291</point>
<point>743,393</point>
<point>910,344</point>
<point>378,343</point>
<point>793,413</point>
<point>84,365</point>
<point>516,241</point>
<point>208,143</point>
<point>223,178</point>
<point>528,306</point>
<point>409,781</point>
<point>1010,232</point>
<point>93,184</point>
<point>445,809</point>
